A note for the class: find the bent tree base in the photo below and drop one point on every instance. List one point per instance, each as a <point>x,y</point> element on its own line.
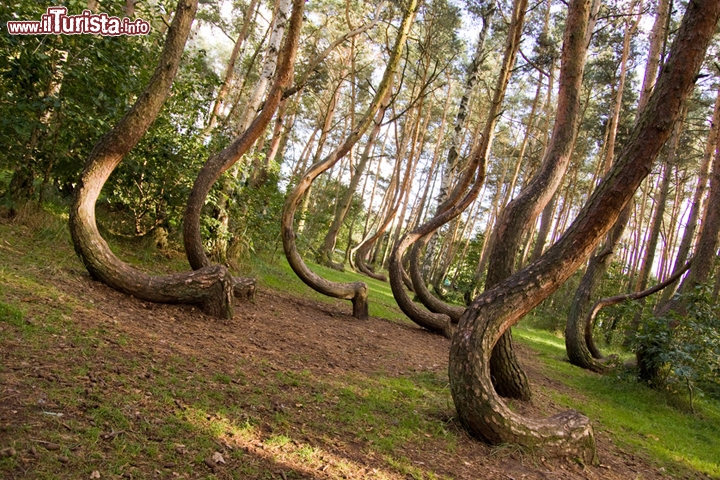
<point>491,314</point>
<point>212,287</point>
<point>486,416</point>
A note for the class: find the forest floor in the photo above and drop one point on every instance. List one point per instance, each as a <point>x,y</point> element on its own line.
<point>97,384</point>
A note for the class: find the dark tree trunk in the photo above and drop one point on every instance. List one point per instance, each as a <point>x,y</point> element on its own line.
<point>581,347</point>
<point>221,162</point>
<point>600,262</point>
<point>479,408</point>
<point>432,303</point>
<point>597,266</point>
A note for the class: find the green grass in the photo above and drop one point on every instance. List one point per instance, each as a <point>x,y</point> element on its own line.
<point>279,276</point>
<point>135,414</point>
<point>638,418</point>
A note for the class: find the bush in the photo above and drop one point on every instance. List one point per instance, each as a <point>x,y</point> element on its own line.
<point>685,348</point>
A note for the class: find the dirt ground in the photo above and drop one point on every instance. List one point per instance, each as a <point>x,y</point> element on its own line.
<point>277,333</point>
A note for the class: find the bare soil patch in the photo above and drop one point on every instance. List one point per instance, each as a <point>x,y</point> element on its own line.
<point>287,366</point>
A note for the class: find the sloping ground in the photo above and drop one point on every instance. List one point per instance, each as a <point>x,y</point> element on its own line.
<point>96,384</point>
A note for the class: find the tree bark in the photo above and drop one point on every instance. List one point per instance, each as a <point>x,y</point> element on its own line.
<point>521,212</point>
<point>222,161</point>
<point>582,350</point>
<point>211,287</point>
<point>492,313</point>
<point>599,263</point>
<point>357,291</point>
<point>597,266</point>
<point>459,199</point>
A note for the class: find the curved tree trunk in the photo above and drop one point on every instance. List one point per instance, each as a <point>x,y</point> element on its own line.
<point>521,212</point>
<point>479,407</point>
<point>599,263</point>
<point>456,203</point>
<point>356,291</point>
<point>221,162</point>
<point>597,266</point>
<point>581,347</point>
<point>430,301</point>
<point>211,287</point>
<point>393,205</point>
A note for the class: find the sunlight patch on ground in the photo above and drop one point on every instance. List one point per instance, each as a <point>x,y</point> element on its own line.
<point>541,337</point>
<point>285,451</point>
<point>691,461</point>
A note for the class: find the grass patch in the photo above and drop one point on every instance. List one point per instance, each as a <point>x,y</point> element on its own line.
<point>279,276</point>
<point>636,416</point>
<point>97,401</point>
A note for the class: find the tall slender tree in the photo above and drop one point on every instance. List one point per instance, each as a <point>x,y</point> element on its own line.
<point>357,291</point>
<point>599,263</point>
<point>521,212</point>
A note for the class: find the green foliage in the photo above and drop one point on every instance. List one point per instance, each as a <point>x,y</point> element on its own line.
<point>685,347</point>
<point>638,418</point>
<point>462,273</point>
<point>60,93</point>
<point>11,314</point>
<point>551,315</point>
<point>255,225</point>
<point>152,184</point>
